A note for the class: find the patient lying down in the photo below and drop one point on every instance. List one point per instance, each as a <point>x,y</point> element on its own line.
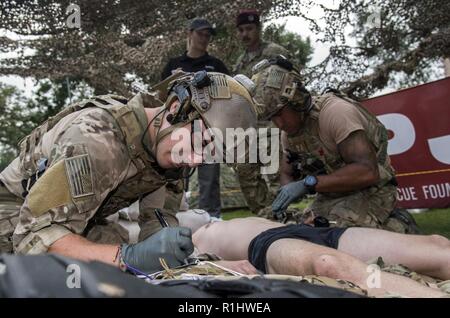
<point>338,253</point>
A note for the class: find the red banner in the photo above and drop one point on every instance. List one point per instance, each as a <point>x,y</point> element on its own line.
<point>418,120</point>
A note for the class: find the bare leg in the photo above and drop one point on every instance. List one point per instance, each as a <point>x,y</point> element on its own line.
<point>429,255</point>
<point>297,257</point>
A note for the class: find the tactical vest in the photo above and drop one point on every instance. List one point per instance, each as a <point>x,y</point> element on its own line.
<point>131,119</point>
<point>314,158</point>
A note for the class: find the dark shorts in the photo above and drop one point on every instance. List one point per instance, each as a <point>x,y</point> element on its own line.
<point>318,235</point>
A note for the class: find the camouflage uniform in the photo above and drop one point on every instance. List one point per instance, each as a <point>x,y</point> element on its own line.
<point>94,158</point>
<point>369,207</point>
<point>279,85</point>
<point>258,192</point>
<point>9,216</point>
<point>74,171</point>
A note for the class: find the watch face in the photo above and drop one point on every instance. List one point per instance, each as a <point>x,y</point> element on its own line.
<point>310,181</point>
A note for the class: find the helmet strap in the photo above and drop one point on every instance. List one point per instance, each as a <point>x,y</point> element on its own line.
<point>167,131</point>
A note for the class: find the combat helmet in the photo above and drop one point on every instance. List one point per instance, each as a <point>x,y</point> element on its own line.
<point>278,84</point>
<point>221,101</point>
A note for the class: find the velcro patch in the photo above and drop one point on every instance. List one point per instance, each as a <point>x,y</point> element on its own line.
<point>275,78</point>
<point>79,175</point>
<point>50,191</point>
<point>219,88</point>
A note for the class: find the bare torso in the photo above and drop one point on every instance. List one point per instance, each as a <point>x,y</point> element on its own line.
<point>230,239</point>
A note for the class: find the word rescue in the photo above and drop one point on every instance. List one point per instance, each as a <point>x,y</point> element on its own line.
<point>427,192</point>
<point>244,307</point>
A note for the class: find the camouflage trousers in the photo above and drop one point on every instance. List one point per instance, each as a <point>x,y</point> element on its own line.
<point>260,190</point>
<point>367,208</point>
<point>9,217</point>
<point>256,189</point>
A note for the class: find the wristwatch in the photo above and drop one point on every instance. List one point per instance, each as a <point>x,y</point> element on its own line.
<point>310,184</point>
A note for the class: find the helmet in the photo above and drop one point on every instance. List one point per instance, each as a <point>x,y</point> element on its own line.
<point>278,84</point>
<point>219,100</point>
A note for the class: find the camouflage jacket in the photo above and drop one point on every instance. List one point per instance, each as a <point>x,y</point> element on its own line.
<point>89,162</point>
<point>247,60</point>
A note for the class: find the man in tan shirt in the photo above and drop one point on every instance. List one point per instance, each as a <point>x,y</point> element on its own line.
<point>334,147</point>
<point>337,120</point>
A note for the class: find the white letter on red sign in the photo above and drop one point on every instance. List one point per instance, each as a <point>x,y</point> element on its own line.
<point>440,148</point>
<point>404,133</point>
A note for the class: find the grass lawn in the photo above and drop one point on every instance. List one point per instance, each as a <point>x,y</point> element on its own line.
<point>435,221</point>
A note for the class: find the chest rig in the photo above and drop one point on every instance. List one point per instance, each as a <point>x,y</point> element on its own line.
<point>310,156</point>
<point>130,118</point>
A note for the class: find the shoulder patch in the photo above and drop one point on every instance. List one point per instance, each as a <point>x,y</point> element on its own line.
<point>50,191</point>
<point>219,88</point>
<point>79,175</point>
<point>275,78</point>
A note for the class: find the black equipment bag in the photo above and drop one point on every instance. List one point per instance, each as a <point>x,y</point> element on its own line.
<point>52,276</point>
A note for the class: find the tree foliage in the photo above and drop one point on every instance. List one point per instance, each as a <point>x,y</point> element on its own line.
<point>122,39</point>
<point>19,115</point>
<point>117,37</point>
<point>397,42</point>
<point>9,129</point>
<point>300,49</point>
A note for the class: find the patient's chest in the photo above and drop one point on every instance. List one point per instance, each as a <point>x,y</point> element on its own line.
<point>230,239</point>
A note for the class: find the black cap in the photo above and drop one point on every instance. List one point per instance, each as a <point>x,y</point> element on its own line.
<point>247,17</point>
<point>201,24</point>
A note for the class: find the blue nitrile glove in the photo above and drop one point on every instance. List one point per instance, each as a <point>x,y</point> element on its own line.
<point>174,244</point>
<point>286,195</point>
